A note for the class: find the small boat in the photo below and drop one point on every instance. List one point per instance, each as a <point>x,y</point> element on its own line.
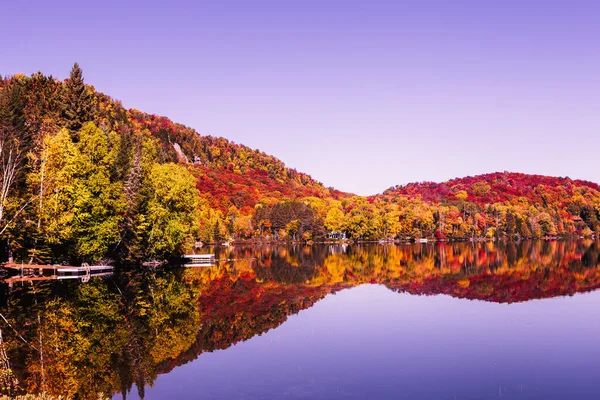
<point>422,240</point>
<point>153,263</point>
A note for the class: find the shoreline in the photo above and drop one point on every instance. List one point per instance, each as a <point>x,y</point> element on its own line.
<point>252,242</point>
<point>347,242</point>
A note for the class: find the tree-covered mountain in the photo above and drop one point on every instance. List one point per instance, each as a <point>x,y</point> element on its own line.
<point>84,178</point>
<point>499,187</point>
<point>506,204</point>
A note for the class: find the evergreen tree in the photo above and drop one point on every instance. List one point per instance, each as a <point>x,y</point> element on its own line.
<point>14,109</point>
<point>511,224</point>
<point>78,104</point>
<point>217,232</point>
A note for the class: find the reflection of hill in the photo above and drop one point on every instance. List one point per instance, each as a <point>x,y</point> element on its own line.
<point>235,310</point>
<point>111,335</point>
<point>503,274</point>
<point>506,288</point>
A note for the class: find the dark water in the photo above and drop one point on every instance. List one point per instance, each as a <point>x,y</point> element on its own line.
<point>435,321</point>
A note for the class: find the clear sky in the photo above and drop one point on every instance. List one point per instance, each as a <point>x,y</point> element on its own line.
<point>362,95</point>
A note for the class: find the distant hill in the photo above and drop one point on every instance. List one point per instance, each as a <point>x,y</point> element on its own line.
<point>503,204</point>
<point>498,187</point>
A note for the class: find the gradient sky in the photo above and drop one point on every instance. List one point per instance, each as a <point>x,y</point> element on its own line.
<point>362,95</point>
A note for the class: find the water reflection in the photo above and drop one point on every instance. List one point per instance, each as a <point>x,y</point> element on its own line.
<point>119,333</point>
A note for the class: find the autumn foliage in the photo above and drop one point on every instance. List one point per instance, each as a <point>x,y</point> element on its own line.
<point>242,193</point>
<point>499,187</point>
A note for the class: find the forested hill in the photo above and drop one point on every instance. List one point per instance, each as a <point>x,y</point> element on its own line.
<point>497,188</point>
<point>84,178</point>
<point>234,174</point>
<point>503,204</point>
<point>42,102</point>
<point>104,164</point>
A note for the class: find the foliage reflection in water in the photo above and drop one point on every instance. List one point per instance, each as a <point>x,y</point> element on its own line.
<point>119,334</point>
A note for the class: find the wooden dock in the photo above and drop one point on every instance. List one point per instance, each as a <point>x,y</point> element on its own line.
<point>59,269</point>
<point>37,272</point>
<point>36,278</point>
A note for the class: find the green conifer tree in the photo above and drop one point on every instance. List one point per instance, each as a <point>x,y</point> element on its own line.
<point>78,103</point>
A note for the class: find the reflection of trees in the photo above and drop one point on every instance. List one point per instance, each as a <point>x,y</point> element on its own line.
<point>237,308</point>
<point>63,335</point>
<point>591,257</point>
<point>289,266</point>
<point>103,336</point>
<point>111,335</point>
<point>504,272</point>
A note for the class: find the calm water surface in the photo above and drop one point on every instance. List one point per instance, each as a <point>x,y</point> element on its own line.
<point>443,321</point>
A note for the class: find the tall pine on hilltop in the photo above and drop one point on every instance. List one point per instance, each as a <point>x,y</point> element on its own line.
<point>78,103</point>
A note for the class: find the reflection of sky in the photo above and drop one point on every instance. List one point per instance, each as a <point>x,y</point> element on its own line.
<point>371,343</point>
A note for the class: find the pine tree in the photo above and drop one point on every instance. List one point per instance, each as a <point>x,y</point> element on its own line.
<point>217,232</point>
<point>78,105</point>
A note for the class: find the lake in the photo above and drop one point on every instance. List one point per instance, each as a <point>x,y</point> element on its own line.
<point>424,321</point>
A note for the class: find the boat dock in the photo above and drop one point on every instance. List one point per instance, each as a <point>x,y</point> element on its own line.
<point>37,278</point>
<point>37,272</point>
<point>58,269</point>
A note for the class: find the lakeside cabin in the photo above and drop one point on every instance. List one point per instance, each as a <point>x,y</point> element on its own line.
<point>336,235</point>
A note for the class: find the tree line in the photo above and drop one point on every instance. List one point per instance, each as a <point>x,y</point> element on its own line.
<point>84,179</point>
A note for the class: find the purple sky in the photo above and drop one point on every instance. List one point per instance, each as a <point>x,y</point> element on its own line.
<point>361,95</point>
